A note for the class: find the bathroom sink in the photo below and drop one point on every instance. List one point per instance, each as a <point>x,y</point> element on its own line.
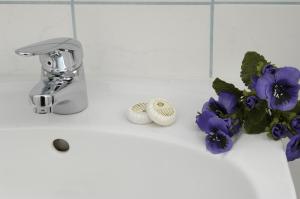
<point>112,166</point>
<point>111,158</point>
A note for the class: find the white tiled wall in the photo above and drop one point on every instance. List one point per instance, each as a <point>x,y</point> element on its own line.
<point>150,41</point>
<point>155,38</point>
<point>272,30</point>
<point>24,24</point>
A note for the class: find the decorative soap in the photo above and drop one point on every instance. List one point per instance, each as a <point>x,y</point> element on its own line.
<point>137,114</point>
<point>161,112</point>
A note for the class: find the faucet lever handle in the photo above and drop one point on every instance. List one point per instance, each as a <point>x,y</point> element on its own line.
<point>56,55</point>
<point>49,46</point>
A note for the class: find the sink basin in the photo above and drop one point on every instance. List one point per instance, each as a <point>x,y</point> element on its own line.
<point>111,158</point>
<point>112,166</point>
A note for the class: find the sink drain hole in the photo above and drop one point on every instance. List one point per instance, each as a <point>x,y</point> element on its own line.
<point>61,145</point>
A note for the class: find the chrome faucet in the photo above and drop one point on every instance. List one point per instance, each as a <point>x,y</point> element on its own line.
<point>62,88</point>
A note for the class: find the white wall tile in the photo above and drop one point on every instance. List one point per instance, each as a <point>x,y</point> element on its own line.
<point>272,30</point>
<point>25,24</point>
<point>152,41</point>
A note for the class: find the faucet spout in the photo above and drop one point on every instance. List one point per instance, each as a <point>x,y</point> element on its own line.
<point>42,104</point>
<point>62,94</point>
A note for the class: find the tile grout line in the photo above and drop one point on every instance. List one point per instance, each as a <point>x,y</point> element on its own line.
<point>211,37</point>
<point>72,7</point>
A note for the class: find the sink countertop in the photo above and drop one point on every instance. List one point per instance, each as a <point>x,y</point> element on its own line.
<point>263,160</point>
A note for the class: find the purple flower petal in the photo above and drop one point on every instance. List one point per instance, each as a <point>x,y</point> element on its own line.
<point>279,131</point>
<point>213,106</point>
<point>295,124</point>
<point>251,101</point>
<point>228,100</point>
<point>202,120</point>
<point>283,104</point>
<point>270,69</point>
<point>263,84</point>
<point>293,148</point>
<point>228,122</point>
<point>289,74</point>
<point>279,89</point>
<point>218,142</point>
<point>217,123</point>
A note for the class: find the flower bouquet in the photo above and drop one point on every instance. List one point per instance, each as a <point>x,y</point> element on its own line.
<point>269,104</point>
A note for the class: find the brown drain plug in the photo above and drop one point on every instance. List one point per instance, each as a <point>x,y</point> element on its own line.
<point>61,145</point>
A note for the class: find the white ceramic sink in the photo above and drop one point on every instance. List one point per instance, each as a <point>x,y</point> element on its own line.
<point>111,158</point>
<point>112,166</point>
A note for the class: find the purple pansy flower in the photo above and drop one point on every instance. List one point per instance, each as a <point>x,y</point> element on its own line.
<point>295,124</point>
<point>251,101</point>
<point>226,104</point>
<point>233,125</point>
<point>218,139</point>
<point>293,148</point>
<point>279,131</point>
<point>270,69</point>
<point>279,89</point>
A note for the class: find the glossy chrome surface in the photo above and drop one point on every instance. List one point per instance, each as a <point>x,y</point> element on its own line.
<point>62,88</point>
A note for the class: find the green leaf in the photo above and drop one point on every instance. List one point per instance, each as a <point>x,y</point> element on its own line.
<point>252,65</point>
<point>246,93</point>
<point>257,119</point>
<point>288,116</point>
<point>222,86</point>
<point>296,109</point>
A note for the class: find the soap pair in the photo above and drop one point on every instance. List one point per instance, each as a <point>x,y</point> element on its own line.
<point>158,110</point>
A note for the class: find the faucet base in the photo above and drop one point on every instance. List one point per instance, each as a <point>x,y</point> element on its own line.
<point>69,107</point>
<point>60,94</point>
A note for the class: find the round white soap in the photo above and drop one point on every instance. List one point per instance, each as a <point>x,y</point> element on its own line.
<point>161,112</point>
<point>137,114</point>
